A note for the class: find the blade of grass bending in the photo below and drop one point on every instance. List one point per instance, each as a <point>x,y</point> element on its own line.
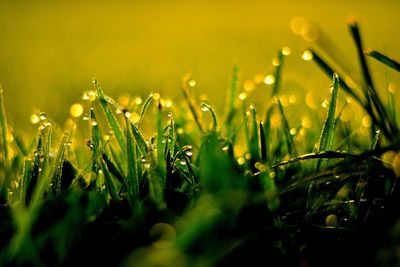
<point>366,105</point>
<point>328,70</point>
<point>132,165</point>
<point>8,176</point>
<point>328,131</point>
<point>370,91</point>
<point>109,181</point>
<point>113,169</point>
<point>391,63</point>
<point>191,102</point>
<point>286,129</point>
<point>110,117</point>
<point>230,109</point>
<point>144,108</point>
<point>139,139</point>
<point>317,155</point>
<point>278,74</point>
<point>26,179</point>
<point>207,107</point>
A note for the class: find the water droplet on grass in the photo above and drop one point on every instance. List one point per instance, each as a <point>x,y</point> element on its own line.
<point>42,116</point>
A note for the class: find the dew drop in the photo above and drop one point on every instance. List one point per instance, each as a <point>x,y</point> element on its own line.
<point>189,153</point>
<point>204,107</point>
<point>307,55</point>
<point>93,123</point>
<point>42,116</point>
<point>86,117</point>
<point>182,162</point>
<point>269,79</point>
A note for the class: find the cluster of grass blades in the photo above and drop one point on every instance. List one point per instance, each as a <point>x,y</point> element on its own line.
<point>201,191</point>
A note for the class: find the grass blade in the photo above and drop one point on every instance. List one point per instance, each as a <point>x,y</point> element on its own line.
<point>232,92</point>
<point>391,63</point>
<point>278,74</point>
<point>206,107</point>
<point>109,182</point>
<point>286,129</point>
<point>328,130</point>
<point>144,108</point>
<point>110,117</point>
<point>133,177</point>
<point>8,177</point>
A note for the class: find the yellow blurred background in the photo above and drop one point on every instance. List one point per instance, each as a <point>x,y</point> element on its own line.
<point>50,51</point>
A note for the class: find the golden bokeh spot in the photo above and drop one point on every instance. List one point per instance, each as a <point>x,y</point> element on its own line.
<point>296,24</point>
<point>156,96</point>
<point>138,100</point>
<point>396,164</point>
<point>242,96</point>
<point>366,121</point>
<point>306,122</point>
<point>269,79</point>
<point>309,32</point>
<point>310,101</point>
<point>123,100</point>
<point>275,121</point>
<point>388,158</point>
<point>259,78</point>
<point>249,85</point>
<point>192,83</point>
<point>286,51</point>
<point>307,55</point>
<point>76,110</point>
<point>34,119</point>
<point>241,160</point>
<point>392,88</point>
<point>284,100</point>
<point>331,220</point>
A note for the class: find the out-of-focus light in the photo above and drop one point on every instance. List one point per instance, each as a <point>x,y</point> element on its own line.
<point>76,110</point>
<point>269,79</point>
<point>296,24</point>
<point>307,55</point>
<point>248,85</point>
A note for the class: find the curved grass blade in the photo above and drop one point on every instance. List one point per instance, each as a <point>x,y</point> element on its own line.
<point>391,63</point>
<point>59,163</point>
<point>139,139</point>
<point>206,107</point>
<point>110,117</point>
<point>144,108</point>
<point>328,131</point>
<point>109,182</point>
<point>317,155</point>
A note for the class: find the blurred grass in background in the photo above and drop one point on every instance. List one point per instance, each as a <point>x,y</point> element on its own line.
<point>50,51</point>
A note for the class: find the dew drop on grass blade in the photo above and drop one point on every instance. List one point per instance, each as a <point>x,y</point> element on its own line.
<point>328,131</point>
<point>110,117</point>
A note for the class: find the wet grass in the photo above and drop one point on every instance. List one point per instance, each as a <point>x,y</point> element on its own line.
<point>206,190</point>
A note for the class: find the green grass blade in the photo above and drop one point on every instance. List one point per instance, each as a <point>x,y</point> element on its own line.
<point>375,140</point>
<point>8,176</point>
<point>141,142</point>
<point>144,108</point>
<point>230,109</point>
<point>26,179</point>
<point>161,146</point>
<point>254,137</point>
<point>59,163</point>
<point>109,182</point>
<point>286,129</point>
<point>328,131</point>
<point>133,176</point>
<point>328,70</point>
<point>278,74</point>
<point>110,117</point>
<point>391,63</point>
<point>206,107</point>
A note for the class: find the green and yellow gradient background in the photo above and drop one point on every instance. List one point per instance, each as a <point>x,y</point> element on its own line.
<point>50,51</point>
